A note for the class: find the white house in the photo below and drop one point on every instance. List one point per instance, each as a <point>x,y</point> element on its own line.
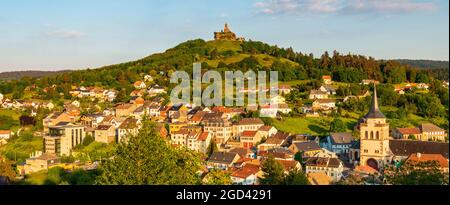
<point>317,94</point>
<point>1,97</point>
<point>5,134</point>
<point>274,109</point>
<point>247,175</point>
<point>332,167</point>
<point>340,143</point>
<point>156,89</point>
<point>324,104</point>
<point>140,85</point>
<point>330,90</point>
<point>148,78</point>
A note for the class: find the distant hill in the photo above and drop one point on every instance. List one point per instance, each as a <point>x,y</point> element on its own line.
<point>33,74</point>
<point>425,64</point>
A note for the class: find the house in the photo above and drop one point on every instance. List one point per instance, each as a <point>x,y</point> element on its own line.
<point>125,110</point>
<point>105,134</point>
<point>272,110</point>
<point>1,97</point>
<point>249,174</point>
<point>324,104</point>
<point>199,142</point>
<point>305,138</point>
<point>369,82</point>
<point>327,79</point>
<point>275,141</point>
<point>407,133</point>
<point>267,131</point>
<point>139,85</point>
<point>438,158</point>
<point>63,137</point>
<point>139,112</point>
<point>72,110</point>
<point>54,118</point>
<point>76,103</point>
<point>130,127</point>
<point>222,160</point>
<point>153,111</point>
<point>284,89</point>
<point>148,78</point>
<point>5,134</point>
<point>307,149</point>
<point>425,132</point>
<point>221,129</point>
<point>319,178</point>
<point>317,94</point>
<point>340,143</point>
<point>332,167</point>
<point>277,100</point>
<point>289,165</point>
<point>249,139</point>
<point>244,153</point>
<point>91,120</point>
<point>431,132</point>
<point>39,162</point>
<point>280,153</point>
<point>330,90</point>
<point>156,90</point>
<point>247,124</point>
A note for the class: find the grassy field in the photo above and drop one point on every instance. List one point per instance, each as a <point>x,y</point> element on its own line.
<point>14,115</point>
<point>19,149</point>
<point>307,125</point>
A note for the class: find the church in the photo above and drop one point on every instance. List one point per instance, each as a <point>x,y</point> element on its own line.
<point>377,148</point>
<point>227,34</point>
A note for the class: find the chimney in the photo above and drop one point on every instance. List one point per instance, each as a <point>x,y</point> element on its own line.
<point>419,155</point>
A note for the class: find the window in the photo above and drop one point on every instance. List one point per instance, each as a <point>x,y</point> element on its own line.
<point>367,135</point>
<point>371,135</point>
<point>378,135</point>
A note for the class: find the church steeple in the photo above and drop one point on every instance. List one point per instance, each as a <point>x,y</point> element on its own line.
<point>375,109</point>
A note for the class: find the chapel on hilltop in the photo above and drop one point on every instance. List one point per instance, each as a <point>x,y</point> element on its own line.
<point>227,34</point>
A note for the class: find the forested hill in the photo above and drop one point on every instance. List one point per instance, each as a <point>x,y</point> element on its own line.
<point>12,75</point>
<point>425,64</point>
<point>232,55</point>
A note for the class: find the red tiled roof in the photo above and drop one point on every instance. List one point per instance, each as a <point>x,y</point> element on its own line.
<point>203,136</point>
<point>246,171</point>
<point>416,158</point>
<point>2,132</point>
<point>409,131</point>
<point>249,133</point>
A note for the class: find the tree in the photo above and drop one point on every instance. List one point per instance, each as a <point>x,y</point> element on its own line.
<point>296,177</point>
<point>211,148</point>
<point>338,125</point>
<point>218,177</point>
<point>147,159</point>
<point>88,140</point>
<point>416,173</point>
<point>6,169</point>
<point>273,172</point>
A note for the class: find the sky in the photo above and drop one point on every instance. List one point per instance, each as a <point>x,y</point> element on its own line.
<point>78,34</point>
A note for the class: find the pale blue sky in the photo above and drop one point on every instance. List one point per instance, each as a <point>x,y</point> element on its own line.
<point>69,34</point>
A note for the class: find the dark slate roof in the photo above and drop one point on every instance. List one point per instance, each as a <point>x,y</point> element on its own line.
<point>341,138</point>
<point>408,147</point>
<point>307,146</point>
<point>222,157</point>
<point>323,162</point>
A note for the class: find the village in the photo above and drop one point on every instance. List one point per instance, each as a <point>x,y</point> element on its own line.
<point>230,138</point>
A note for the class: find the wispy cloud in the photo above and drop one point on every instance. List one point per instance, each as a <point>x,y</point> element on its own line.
<point>57,32</point>
<point>70,34</point>
<point>342,6</point>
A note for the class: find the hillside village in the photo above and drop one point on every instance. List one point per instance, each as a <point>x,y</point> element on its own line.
<point>358,142</point>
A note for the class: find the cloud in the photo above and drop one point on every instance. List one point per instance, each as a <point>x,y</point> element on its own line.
<point>70,34</point>
<point>342,6</point>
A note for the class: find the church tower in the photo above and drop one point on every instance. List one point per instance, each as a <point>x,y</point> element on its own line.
<point>374,136</point>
